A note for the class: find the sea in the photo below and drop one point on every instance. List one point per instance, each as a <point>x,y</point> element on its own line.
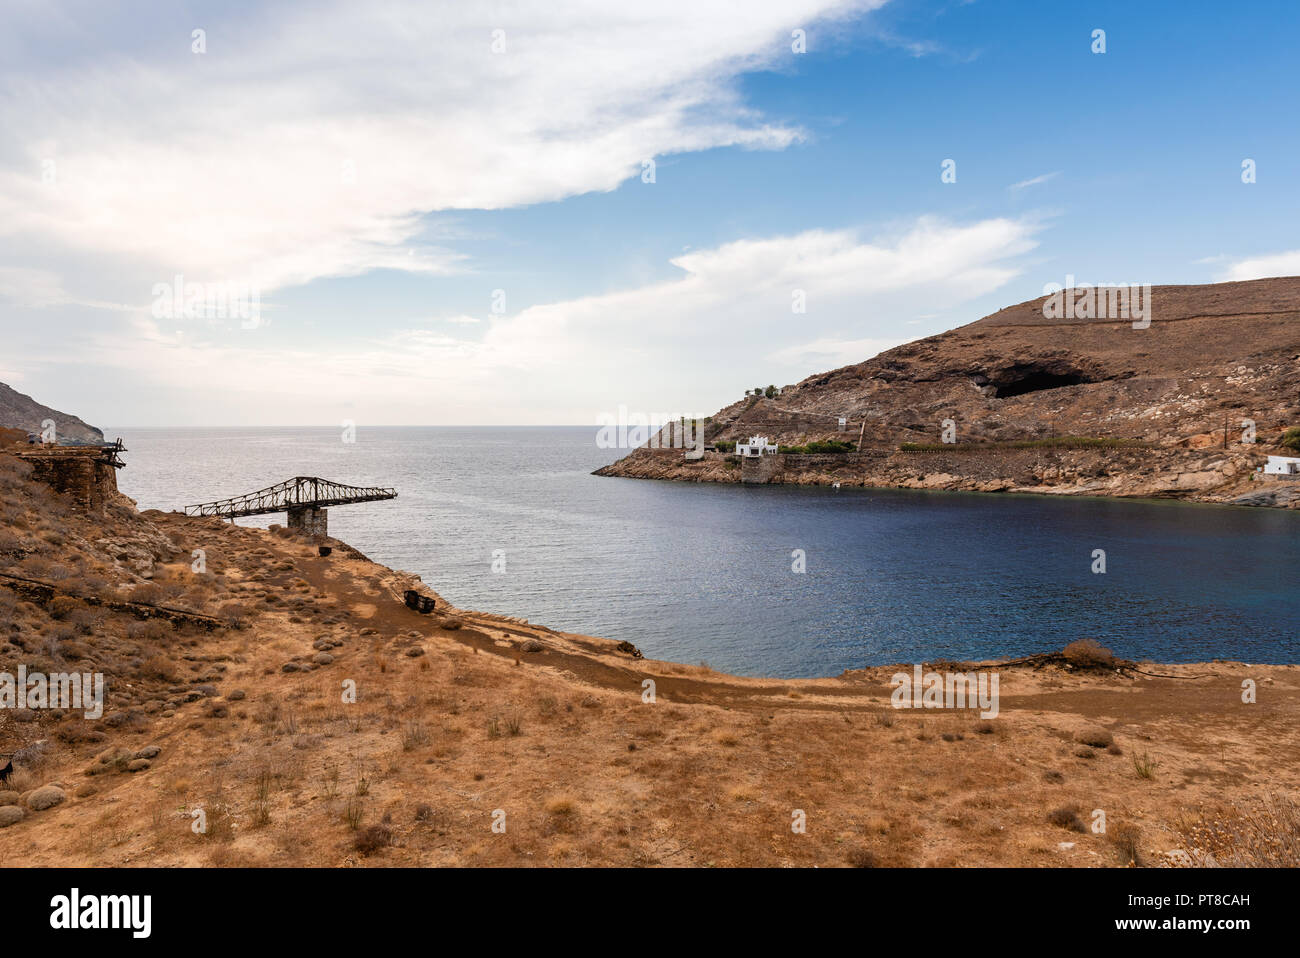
<point>764,580</point>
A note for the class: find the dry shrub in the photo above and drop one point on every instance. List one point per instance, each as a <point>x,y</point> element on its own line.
<point>562,814</point>
<point>62,606</point>
<point>1088,654</point>
<point>862,858</point>
<point>86,621</point>
<point>372,839</point>
<point>147,594</point>
<point>1125,837</point>
<point>353,812</point>
<point>151,630</point>
<point>414,735</point>
<point>1095,737</point>
<point>1145,765</point>
<point>158,667</point>
<point>234,614</point>
<point>1067,817</point>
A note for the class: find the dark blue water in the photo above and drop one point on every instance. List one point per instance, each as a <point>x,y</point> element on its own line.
<point>702,572</point>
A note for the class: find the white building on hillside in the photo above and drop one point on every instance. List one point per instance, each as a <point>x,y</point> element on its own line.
<point>1282,466</point>
<point>757,446</point>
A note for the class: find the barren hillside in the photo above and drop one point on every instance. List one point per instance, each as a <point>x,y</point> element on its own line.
<point>18,411</point>
<point>228,706</point>
<point>1157,411</point>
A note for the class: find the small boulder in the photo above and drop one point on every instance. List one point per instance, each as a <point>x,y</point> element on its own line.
<point>23,715</point>
<point>290,667</point>
<point>415,651</point>
<point>47,796</point>
<point>149,751</point>
<point>322,658</point>
<point>531,645</point>
<point>138,765</point>
<point>237,696</point>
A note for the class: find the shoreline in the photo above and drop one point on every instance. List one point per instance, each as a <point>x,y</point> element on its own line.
<point>1202,486</point>
<point>852,487</point>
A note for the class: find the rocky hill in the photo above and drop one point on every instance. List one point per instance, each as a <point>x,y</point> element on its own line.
<point>18,411</point>
<point>1187,407</point>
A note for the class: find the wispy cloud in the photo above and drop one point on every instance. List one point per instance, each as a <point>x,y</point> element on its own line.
<point>1034,181</point>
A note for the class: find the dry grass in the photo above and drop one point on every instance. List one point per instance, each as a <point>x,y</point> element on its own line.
<point>1263,835</point>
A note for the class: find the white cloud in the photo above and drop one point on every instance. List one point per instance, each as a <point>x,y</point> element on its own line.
<point>32,288</point>
<point>1262,267</point>
<point>309,138</point>
<point>687,345</point>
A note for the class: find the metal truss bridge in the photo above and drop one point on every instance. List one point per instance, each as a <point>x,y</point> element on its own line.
<point>304,498</point>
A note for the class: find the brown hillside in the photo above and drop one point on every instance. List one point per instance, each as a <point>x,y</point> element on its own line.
<point>19,411</point>
<point>1212,355</point>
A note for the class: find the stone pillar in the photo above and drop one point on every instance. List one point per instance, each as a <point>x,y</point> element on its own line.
<point>759,469</point>
<point>309,521</point>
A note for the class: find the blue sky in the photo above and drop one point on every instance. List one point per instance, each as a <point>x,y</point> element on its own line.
<point>475,171</point>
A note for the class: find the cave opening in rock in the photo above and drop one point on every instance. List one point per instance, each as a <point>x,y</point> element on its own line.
<point>1034,380</point>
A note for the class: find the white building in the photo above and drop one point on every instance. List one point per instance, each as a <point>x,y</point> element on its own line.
<point>757,446</point>
<point>1282,466</point>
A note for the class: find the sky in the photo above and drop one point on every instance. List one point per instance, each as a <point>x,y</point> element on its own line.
<point>543,213</point>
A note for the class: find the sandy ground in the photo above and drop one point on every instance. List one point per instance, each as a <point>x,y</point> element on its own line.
<point>502,743</point>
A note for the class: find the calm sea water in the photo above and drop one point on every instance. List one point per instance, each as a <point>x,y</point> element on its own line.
<point>702,572</point>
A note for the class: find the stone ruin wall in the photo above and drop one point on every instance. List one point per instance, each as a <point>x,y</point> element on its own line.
<point>88,480</point>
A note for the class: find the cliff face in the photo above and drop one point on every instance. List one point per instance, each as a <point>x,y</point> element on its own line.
<point>1009,386</point>
<point>18,411</point>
